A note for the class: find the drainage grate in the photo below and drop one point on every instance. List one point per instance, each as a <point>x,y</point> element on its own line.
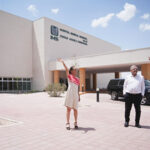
<point>5,122</point>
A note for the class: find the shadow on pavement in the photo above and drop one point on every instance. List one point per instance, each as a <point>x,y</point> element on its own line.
<point>142,126</point>
<point>145,127</point>
<point>84,129</point>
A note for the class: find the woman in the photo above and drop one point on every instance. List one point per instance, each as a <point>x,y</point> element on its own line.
<point>72,96</point>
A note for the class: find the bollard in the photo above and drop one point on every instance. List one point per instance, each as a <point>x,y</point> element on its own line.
<point>97,93</point>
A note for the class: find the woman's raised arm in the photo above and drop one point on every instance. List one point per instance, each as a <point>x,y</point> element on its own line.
<point>61,60</point>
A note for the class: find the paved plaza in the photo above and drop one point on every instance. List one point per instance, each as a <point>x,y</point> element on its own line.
<point>41,124</point>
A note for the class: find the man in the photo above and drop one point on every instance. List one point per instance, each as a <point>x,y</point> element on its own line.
<point>133,90</point>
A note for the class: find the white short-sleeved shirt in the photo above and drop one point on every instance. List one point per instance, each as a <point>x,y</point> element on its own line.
<point>134,85</point>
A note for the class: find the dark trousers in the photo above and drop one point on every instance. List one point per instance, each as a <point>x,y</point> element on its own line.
<point>136,100</point>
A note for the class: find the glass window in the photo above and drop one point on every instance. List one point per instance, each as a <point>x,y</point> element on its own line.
<point>15,79</point>
<point>114,82</point>
<point>121,82</point>
<point>4,86</point>
<point>24,86</point>
<point>28,86</point>
<point>147,83</point>
<point>1,85</point>
<point>9,85</point>
<point>20,86</point>
<point>15,86</point>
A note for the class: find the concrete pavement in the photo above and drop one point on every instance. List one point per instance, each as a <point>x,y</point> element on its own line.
<point>42,124</point>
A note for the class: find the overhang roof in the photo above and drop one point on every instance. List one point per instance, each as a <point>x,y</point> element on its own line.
<point>110,62</point>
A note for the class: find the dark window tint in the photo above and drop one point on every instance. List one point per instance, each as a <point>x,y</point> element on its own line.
<point>19,85</point>
<point>147,83</point>
<point>24,86</point>
<point>4,86</point>
<point>114,82</point>
<point>28,86</point>
<point>9,85</point>
<point>15,86</point>
<point>121,82</point>
<point>1,85</point>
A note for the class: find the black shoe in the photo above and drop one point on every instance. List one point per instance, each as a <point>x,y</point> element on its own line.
<point>126,124</point>
<point>76,125</point>
<point>137,125</point>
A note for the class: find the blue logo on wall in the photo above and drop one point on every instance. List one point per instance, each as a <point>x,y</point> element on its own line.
<point>54,33</point>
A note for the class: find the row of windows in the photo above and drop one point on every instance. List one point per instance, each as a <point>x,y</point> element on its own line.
<point>19,84</point>
<point>14,79</point>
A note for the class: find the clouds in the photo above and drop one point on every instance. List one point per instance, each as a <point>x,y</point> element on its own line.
<point>55,10</point>
<point>102,21</point>
<point>34,11</point>
<point>146,16</point>
<point>32,8</point>
<point>125,15</point>
<point>128,13</point>
<point>144,27</point>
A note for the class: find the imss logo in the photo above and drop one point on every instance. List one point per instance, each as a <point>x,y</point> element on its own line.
<point>57,34</point>
<point>54,33</point>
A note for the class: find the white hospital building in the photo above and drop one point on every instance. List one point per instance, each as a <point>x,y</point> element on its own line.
<point>29,49</point>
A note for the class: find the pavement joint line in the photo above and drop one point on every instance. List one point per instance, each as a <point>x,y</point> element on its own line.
<point>14,122</point>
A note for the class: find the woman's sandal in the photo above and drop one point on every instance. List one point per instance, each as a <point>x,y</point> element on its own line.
<point>68,126</point>
<point>76,125</point>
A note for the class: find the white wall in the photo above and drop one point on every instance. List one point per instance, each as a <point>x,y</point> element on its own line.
<point>26,48</point>
<point>38,55</point>
<point>111,60</point>
<point>15,46</point>
<point>103,79</point>
<point>66,48</point>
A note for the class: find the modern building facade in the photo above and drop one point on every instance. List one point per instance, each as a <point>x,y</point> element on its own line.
<point>29,49</point>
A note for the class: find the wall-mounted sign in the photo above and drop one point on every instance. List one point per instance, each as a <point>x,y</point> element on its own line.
<point>57,34</point>
<point>54,33</point>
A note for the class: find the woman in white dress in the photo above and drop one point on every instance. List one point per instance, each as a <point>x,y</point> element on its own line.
<point>72,95</point>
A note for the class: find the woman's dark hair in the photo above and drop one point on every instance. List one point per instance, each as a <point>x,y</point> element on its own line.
<point>71,68</point>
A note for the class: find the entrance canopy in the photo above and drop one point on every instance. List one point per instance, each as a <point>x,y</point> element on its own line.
<point>110,62</point>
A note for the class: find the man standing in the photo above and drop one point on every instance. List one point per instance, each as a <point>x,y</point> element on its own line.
<point>133,89</point>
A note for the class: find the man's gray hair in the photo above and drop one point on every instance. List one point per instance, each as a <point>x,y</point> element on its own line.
<point>133,67</point>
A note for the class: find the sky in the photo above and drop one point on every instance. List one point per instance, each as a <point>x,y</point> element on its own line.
<point>125,23</point>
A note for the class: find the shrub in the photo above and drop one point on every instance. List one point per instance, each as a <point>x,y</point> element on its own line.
<point>55,89</point>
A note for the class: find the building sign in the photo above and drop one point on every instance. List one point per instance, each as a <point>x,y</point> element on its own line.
<point>54,33</point>
<point>59,33</point>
